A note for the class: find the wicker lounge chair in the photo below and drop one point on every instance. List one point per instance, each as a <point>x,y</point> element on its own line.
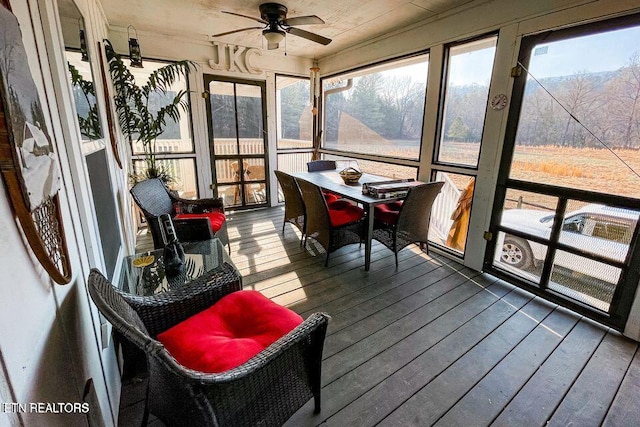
<point>194,220</point>
<point>265,390</point>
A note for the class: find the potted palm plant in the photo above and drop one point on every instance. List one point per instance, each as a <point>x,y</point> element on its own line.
<point>141,120</point>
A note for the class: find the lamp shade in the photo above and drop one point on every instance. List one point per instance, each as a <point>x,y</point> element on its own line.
<point>273,36</point>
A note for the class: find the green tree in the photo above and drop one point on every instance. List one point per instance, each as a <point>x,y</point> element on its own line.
<point>293,100</point>
<point>365,103</point>
<point>458,131</point>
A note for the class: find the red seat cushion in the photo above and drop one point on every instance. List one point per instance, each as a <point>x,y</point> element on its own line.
<point>345,215</point>
<point>330,197</point>
<point>340,204</point>
<point>216,219</point>
<point>388,212</point>
<point>230,332</point>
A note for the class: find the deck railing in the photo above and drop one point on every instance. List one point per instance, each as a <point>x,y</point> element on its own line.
<point>443,207</point>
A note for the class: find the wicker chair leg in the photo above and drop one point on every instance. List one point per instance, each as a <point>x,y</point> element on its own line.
<point>145,416</point>
<point>315,367</point>
<point>395,248</point>
<point>283,224</point>
<point>326,263</point>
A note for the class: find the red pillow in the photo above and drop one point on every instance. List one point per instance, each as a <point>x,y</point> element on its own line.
<point>230,332</point>
<point>215,218</point>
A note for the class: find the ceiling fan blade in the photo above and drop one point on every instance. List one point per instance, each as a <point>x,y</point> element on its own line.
<point>272,46</point>
<point>309,36</point>
<point>303,20</point>
<point>236,31</point>
<point>262,21</point>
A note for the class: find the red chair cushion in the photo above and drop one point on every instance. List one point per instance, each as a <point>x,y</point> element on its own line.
<point>345,215</point>
<point>216,219</point>
<point>230,332</point>
<point>340,204</point>
<point>330,197</point>
<point>387,212</point>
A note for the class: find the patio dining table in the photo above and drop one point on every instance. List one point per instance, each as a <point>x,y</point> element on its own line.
<point>331,181</point>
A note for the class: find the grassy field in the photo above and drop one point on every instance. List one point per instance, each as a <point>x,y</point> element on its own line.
<point>583,168</point>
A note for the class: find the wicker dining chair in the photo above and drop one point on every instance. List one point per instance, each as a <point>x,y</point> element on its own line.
<point>265,390</point>
<point>332,228</point>
<point>321,165</point>
<point>193,220</point>
<point>293,203</point>
<point>397,225</point>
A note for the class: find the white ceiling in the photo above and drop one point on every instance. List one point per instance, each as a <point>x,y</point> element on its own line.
<point>347,22</point>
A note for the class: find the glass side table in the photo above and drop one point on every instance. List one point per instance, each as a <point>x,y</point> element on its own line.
<point>143,274</point>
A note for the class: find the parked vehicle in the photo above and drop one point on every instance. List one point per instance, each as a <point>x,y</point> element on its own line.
<point>601,230</point>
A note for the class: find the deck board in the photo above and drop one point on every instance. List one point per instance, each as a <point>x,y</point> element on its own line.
<point>433,342</point>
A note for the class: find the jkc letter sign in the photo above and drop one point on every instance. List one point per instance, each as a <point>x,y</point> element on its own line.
<point>229,57</point>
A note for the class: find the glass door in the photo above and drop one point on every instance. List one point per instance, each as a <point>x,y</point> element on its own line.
<point>236,118</point>
<point>565,219</point>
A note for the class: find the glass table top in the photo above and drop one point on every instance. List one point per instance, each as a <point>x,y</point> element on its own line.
<point>144,273</point>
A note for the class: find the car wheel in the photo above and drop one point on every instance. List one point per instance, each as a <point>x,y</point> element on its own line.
<point>516,253</point>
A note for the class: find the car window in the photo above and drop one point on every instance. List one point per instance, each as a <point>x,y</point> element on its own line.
<point>574,224</point>
<point>604,227</point>
<point>614,229</point>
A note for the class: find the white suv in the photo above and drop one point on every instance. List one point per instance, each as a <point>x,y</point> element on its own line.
<point>597,229</point>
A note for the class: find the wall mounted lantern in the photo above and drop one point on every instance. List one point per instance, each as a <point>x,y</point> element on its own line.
<point>134,48</point>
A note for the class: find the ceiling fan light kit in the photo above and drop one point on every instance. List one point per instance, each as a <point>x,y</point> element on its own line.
<point>277,26</point>
<point>273,36</point>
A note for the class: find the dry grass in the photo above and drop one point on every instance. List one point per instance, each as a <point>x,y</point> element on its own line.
<point>551,168</point>
<point>586,169</point>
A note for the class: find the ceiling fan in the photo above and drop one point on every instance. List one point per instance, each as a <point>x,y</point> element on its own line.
<point>276,25</point>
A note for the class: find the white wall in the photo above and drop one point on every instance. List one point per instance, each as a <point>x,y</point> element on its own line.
<point>50,341</point>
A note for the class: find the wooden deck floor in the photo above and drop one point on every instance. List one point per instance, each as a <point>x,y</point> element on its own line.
<point>435,343</point>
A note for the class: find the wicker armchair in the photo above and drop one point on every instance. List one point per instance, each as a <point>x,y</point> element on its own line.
<point>293,203</point>
<point>321,165</point>
<point>320,223</point>
<point>154,199</point>
<point>266,390</point>
<point>398,225</point>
